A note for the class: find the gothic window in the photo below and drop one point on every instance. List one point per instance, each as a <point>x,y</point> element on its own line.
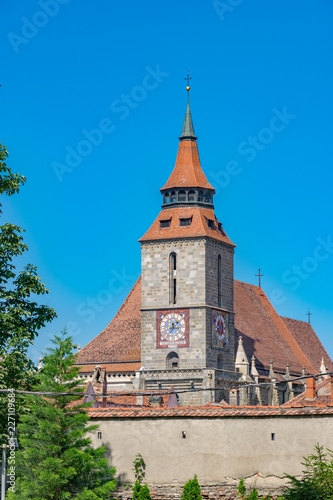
<point>166,198</point>
<point>219,281</point>
<point>181,196</point>
<point>172,361</point>
<point>200,196</point>
<point>173,278</point>
<point>191,196</point>
<point>173,196</point>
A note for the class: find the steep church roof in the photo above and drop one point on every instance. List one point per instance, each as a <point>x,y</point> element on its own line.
<point>203,223</point>
<point>187,172</point>
<point>265,335</point>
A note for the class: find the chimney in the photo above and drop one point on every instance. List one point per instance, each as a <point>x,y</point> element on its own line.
<point>310,390</point>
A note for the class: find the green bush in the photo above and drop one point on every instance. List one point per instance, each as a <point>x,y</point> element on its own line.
<point>192,490</point>
<point>253,495</point>
<point>317,481</point>
<point>241,489</point>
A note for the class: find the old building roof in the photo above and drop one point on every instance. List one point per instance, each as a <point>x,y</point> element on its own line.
<point>203,223</point>
<point>308,341</point>
<point>121,339</point>
<point>187,172</point>
<point>211,412</point>
<point>265,335</point>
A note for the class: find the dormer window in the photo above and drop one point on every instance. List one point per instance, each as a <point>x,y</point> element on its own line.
<point>185,222</point>
<point>220,227</point>
<point>211,223</point>
<point>165,222</point>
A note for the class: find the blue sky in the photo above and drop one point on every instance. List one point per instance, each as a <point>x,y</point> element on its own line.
<point>92,104</point>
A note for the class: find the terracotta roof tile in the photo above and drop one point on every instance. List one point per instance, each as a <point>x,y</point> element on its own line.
<point>310,344</point>
<point>187,171</point>
<point>199,412</point>
<point>264,333</point>
<point>199,225</point>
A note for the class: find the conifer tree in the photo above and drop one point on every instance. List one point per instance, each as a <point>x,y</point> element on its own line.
<point>192,490</point>
<point>56,460</point>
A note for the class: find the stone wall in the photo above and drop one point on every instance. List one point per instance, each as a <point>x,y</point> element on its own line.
<point>219,450</point>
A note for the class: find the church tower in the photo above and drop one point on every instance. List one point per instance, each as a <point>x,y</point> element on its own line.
<point>187,308</point>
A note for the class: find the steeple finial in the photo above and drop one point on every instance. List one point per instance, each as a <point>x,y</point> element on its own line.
<point>188,130</point>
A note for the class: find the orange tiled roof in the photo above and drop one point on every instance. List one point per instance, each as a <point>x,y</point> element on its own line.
<point>310,344</point>
<point>210,412</point>
<point>323,396</point>
<point>187,172</point>
<point>265,334</point>
<point>111,367</point>
<point>199,225</point>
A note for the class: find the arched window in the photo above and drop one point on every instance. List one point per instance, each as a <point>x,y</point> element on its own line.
<point>200,196</point>
<point>191,196</point>
<point>172,361</point>
<point>181,196</point>
<point>173,278</point>
<point>219,281</point>
<point>220,361</point>
<point>173,196</point>
<point>208,198</point>
<point>166,198</point>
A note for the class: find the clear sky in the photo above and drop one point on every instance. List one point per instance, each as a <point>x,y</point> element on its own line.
<point>92,103</point>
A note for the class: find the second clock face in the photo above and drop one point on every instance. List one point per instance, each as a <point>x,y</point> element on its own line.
<point>172,328</point>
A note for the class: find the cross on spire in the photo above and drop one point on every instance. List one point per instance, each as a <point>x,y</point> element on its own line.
<point>259,275</point>
<point>188,78</point>
<point>308,314</point>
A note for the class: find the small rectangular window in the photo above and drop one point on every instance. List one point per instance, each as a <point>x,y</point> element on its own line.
<point>185,222</point>
<point>273,436</point>
<point>211,224</point>
<point>99,435</point>
<point>165,223</point>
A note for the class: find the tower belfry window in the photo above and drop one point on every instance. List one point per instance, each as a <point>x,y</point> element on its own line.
<point>173,278</point>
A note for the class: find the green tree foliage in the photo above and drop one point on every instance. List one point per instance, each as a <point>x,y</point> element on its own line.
<point>139,468</point>
<point>144,493</point>
<point>56,460</point>
<point>253,495</point>
<point>20,316</point>
<point>317,481</point>
<point>241,489</point>
<point>136,490</point>
<point>192,490</point>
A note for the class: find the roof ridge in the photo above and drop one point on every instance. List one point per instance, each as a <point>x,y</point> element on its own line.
<point>287,335</point>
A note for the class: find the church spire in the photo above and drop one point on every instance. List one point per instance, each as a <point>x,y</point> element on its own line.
<point>188,129</point>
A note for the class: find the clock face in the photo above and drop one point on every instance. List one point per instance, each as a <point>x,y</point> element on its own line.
<point>220,327</point>
<point>220,322</point>
<point>172,328</point>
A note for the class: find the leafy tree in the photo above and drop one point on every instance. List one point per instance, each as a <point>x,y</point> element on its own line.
<point>20,316</point>
<point>57,460</point>
<point>192,490</point>
<point>317,481</point>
